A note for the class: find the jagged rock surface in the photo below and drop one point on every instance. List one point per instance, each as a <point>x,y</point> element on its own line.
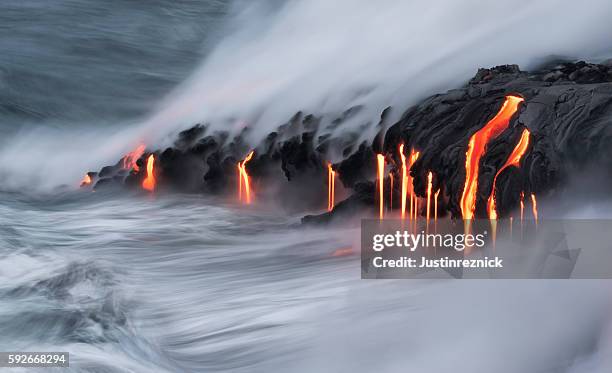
<point>567,109</point>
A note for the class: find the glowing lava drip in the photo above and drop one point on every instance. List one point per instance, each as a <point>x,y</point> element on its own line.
<point>476,148</point>
<point>86,180</point>
<point>522,203</point>
<point>404,182</point>
<point>534,207</point>
<point>331,176</point>
<point>129,161</point>
<point>413,199</point>
<point>513,160</point>
<point>436,205</point>
<point>429,187</point>
<point>243,179</point>
<point>390,191</point>
<point>381,184</point>
<point>149,182</point>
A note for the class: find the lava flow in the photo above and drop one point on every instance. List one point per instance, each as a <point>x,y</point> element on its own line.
<point>534,207</point>
<point>476,149</point>
<point>522,203</point>
<point>149,182</point>
<point>429,187</point>
<point>436,205</point>
<point>381,181</point>
<point>404,182</point>
<point>86,180</point>
<point>331,176</point>
<point>129,161</point>
<point>513,160</point>
<point>413,199</point>
<point>390,190</point>
<point>243,179</point>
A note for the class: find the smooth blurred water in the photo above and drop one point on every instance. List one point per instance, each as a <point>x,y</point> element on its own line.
<point>144,283</point>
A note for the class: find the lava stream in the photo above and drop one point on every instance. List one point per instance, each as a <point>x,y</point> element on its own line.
<point>414,202</point>
<point>390,191</point>
<point>129,161</point>
<point>381,183</point>
<point>534,207</point>
<point>243,178</point>
<point>513,160</point>
<point>86,180</point>
<point>429,186</point>
<point>331,176</point>
<point>404,182</point>
<point>436,205</point>
<point>476,149</point>
<point>149,182</point>
<point>522,203</point>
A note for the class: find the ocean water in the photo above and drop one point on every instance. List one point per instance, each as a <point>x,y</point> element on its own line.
<point>146,283</point>
<point>132,282</point>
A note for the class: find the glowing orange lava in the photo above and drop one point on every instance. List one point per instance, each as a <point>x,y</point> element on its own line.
<point>436,205</point>
<point>429,186</point>
<point>129,161</point>
<point>381,184</point>
<point>149,182</point>
<point>534,207</point>
<point>513,160</point>
<point>476,148</point>
<point>522,203</point>
<point>390,190</point>
<point>243,178</point>
<point>86,180</point>
<point>331,176</point>
<point>404,182</point>
<point>414,202</point>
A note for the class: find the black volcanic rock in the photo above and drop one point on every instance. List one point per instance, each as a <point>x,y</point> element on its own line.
<point>567,109</point>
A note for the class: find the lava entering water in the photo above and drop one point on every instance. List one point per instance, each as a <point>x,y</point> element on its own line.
<point>243,179</point>
<point>404,182</point>
<point>86,180</point>
<point>390,190</point>
<point>476,148</point>
<point>149,182</point>
<point>522,204</point>
<point>414,202</point>
<point>381,181</point>
<point>429,187</point>
<point>331,176</point>
<point>436,205</point>
<point>129,161</point>
<point>534,207</point>
<point>513,160</point>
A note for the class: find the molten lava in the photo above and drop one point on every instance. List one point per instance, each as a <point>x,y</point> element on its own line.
<point>149,182</point>
<point>331,176</point>
<point>243,178</point>
<point>513,160</point>
<point>86,180</point>
<point>381,184</point>
<point>391,190</point>
<point>404,182</point>
<point>476,149</point>
<point>429,187</point>
<point>522,203</point>
<point>534,207</point>
<point>436,205</point>
<point>414,202</point>
<point>129,161</point>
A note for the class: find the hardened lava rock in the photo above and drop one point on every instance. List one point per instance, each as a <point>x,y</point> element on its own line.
<point>567,109</point>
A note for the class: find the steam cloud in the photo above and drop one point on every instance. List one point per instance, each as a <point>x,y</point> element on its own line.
<point>323,57</point>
